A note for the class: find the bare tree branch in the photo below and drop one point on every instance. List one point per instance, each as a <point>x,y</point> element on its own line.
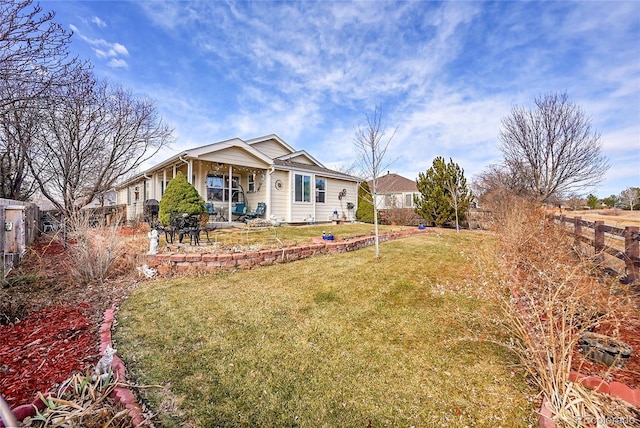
<point>552,148</point>
<point>372,146</point>
<point>94,136</point>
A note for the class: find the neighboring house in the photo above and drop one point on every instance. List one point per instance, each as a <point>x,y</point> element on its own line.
<point>104,199</point>
<point>394,191</point>
<point>295,187</point>
<point>394,199</point>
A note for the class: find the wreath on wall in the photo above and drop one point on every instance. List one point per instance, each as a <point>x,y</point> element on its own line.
<point>278,184</point>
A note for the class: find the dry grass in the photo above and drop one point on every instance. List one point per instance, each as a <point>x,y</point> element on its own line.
<point>556,295</point>
<point>344,340</point>
<point>611,217</point>
<point>81,402</point>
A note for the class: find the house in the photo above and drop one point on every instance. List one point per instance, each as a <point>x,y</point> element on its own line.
<point>295,187</point>
<point>394,199</point>
<point>394,191</point>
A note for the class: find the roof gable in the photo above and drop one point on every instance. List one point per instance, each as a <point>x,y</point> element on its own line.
<point>301,156</point>
<point>271,145</point>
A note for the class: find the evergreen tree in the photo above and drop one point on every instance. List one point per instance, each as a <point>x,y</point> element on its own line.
<point>444,196</point>
<point>180,197</point>
<point>364,213</point>
<point>593,202</point>
<point>611,201</point>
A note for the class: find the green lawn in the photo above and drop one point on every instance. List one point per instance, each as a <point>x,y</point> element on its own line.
<point>330,341</point>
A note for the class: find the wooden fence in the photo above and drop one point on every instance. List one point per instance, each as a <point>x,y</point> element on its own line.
<point>18,229</point>
<point>595,233</point>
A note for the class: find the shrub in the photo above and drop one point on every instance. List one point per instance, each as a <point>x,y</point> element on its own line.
<point>181,197</point>
<point>554,296</point>
<point>364,213</point>
<point>93,250</point>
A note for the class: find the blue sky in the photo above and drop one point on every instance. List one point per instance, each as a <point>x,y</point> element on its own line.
<point>444,73</point>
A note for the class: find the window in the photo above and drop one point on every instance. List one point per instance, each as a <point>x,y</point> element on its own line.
<point>408,200</point>
<point>303,188</point>
<point>251,183</point>
<point>321,187</point>
<point>218,188</point>
<point>215,188</point>
<point>391,201</point>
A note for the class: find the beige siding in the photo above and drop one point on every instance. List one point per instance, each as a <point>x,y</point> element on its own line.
<point>324,212</point>
<point>302,159</point>
<point>232,156</point>
<point>280,197</point>
<point>271,148</point>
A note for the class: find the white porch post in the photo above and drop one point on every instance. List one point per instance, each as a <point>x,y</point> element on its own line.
<point>269,200</point>
<point>230,193</point>
<point>164,182</point>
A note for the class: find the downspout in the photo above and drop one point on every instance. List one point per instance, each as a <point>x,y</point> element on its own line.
<point>189,170</point>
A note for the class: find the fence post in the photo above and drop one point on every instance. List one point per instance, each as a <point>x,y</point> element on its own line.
<point>598,242</point>
<point>577,230</point>
<point>632,252</point>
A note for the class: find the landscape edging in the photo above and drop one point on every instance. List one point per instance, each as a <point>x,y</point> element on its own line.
<point>120,393</point>
<point>166,263</point>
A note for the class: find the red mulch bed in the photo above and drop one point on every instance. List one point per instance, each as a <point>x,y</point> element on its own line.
<point>51,330</point>
<point>629,332</point>
<point>44,350</point>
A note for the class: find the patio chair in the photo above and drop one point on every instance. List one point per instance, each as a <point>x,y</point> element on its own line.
<point>258,212</point>
<point>215,214</point>
<point>239,209</point>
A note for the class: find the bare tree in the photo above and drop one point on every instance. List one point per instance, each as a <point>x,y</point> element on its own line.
<point>575,202</point>
<point>552,148</point>
<point>372,146</point>
<point>495,185</point>
<point>92,137</point>
<point>33,52</point>
<point>459,196</point>
<point>630,196</point>
<point>34,59</point>
<point>17,128</point>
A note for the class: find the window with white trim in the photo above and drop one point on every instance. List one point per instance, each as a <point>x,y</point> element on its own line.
<point>302,188</point>
<point>218,188</point>
<point>408,200</point>
<point>321,188</point>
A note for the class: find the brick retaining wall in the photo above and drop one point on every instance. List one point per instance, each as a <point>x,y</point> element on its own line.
<point>169,263</point>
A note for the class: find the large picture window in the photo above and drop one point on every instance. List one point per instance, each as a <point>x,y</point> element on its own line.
<point>302,188</point>
<point>218,188</point>
<point>321,188</point>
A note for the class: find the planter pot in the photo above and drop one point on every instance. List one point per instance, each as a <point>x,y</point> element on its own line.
<point>605,349</point>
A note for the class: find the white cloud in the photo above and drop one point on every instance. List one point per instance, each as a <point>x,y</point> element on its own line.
<point>104,49</point>
<point>445,73</point>
<point>117,63</point>
<point>99,22</point>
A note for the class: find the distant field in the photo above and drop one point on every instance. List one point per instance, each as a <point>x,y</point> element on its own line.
<point>615,217</point>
